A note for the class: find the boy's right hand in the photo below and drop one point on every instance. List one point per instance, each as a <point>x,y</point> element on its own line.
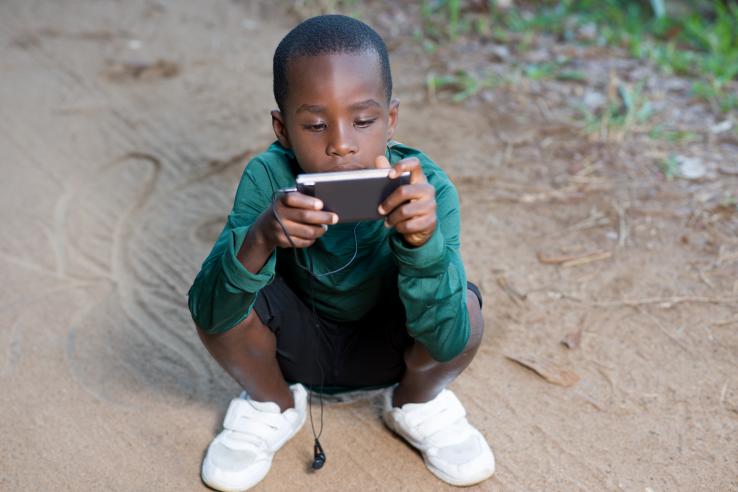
<point>301,215</point>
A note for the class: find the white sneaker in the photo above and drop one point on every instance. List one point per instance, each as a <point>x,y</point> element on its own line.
<point>453,450</point>
<point>241,455</point>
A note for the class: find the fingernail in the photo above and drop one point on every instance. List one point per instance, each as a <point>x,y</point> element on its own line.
<point>325,227</point>
<point>318,205</point>
<point>334,219</point>
<point>380,209</point>
<point>386,224</point>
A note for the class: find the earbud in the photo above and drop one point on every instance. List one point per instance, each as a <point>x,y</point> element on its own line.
<point>318,456</point>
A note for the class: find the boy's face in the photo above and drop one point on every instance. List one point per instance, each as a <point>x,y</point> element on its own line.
<point>335,116</point>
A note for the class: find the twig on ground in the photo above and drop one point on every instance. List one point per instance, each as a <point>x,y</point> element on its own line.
<point>587,259</point>
<point>547,369</point>
<point>516,296</point>
<point>622,224</point>
<point>724,259</point>
<point>665,302</point>
<point>666,333</point>
<point>725,322</point>
<point>595,219</point>
<point>704,278</point>
<point>543,108</point>
<point>568,261</point>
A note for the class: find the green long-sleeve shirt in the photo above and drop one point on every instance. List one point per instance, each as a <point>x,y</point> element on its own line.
<point>429,279</point>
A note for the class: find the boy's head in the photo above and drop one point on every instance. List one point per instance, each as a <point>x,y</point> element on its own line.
<point>333,87</point>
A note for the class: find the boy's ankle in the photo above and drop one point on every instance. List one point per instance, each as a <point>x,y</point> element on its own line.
<point>286,403</point>
<point>403,395</point>
<point>284,400</point>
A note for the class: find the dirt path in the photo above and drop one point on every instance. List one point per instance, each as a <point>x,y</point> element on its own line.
<point>123,132</point>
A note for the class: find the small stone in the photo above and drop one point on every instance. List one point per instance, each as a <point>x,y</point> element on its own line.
<point>691,167</point>
<point>500,52</point>
<point>722,127</point>
<point>588,31</point>
<point>594,100</point>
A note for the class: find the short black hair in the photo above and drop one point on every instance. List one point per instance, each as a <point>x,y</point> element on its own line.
<point>327,34</point>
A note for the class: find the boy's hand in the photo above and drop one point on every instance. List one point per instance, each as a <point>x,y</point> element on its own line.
<point>411,208</point>
<point>302,218</point>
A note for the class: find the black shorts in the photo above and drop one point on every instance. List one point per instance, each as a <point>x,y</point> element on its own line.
<point>338,356</point>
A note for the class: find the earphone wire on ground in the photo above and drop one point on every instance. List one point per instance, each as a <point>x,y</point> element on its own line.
<point>318,453</point>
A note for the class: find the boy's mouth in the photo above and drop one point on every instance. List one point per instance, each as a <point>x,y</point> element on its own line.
<point>350,166</point>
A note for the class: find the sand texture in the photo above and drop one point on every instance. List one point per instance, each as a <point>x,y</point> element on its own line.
<point>124,128</point>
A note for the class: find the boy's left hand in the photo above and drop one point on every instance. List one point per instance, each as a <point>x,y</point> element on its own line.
<point>411,208</point>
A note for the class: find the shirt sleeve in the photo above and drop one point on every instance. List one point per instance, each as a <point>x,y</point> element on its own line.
<point>224,291</point>
<point>432,281</point>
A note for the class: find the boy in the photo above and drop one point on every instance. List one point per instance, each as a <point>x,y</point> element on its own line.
<point>289,295</point>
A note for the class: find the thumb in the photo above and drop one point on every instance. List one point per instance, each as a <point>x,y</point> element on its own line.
<point>381,162</point>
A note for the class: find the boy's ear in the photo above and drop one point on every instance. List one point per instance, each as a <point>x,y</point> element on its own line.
<point>394,109</point>
<point>280,129</point>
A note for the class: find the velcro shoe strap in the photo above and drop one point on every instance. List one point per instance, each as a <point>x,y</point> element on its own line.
<point>243,417</point>
<point>437,415</point>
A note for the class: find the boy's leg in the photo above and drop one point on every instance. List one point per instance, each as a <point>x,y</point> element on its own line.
<point>269,413</point>
<point>248,352</point>
<point>432,419</point>
<point>424,376</point>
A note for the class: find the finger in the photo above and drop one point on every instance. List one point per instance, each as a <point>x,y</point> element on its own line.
<point>305,215</point>
<point>312,217</point>
<point>295,199</point>
<point>300,232</point>
<point>424,224</point>
<point>411,164</point>
<point>381,162</point>
<point>406,193</point>
<point>410,210</point>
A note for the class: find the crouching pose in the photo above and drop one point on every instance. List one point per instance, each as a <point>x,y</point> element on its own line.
<point>289,298</point>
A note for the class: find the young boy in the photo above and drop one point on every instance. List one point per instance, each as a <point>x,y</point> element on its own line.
<point>396,312</point>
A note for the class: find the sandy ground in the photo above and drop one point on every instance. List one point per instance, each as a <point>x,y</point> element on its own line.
<point>123,132</point>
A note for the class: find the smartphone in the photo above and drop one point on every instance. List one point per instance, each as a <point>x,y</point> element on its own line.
<point>353,195</point>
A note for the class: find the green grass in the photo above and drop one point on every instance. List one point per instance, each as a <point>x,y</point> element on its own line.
<point>461,84</point>
<point>627,108</point>
<point>670,167</point>
<point>697,39</point>
<point>673,136</point>
<point>729,201</point>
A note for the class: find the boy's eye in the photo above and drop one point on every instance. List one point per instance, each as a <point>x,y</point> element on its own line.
<point>317,127</point>
<point>364,123</point>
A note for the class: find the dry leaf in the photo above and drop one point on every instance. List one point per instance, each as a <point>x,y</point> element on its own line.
<point>547,370</point>
<point>572,339</point>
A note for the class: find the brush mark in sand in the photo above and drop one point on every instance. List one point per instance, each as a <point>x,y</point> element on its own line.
<point>208,230</point>
<point>150,323</point>
<point>14,349</point>
<point>217,167</point>
<point>574,464</point>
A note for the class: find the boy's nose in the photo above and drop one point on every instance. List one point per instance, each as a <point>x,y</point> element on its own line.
<point>340,143</point>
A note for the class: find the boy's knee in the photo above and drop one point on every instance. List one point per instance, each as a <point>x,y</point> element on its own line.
<point>476,321</point>
<point>251,334</point>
